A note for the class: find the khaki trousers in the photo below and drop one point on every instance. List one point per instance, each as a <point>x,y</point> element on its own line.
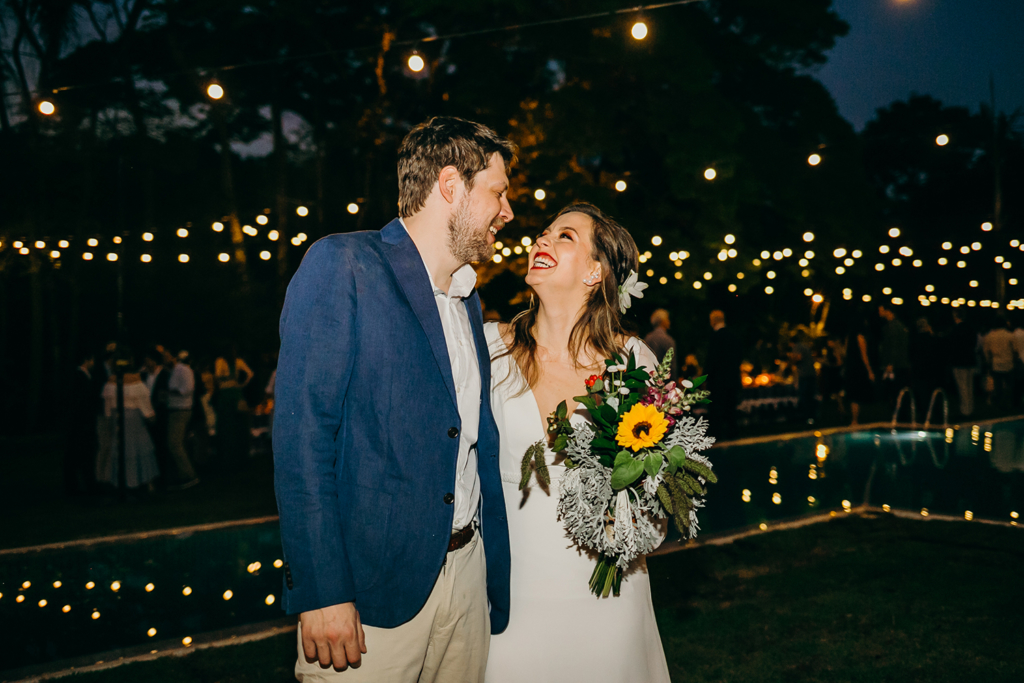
<point>447,642</point>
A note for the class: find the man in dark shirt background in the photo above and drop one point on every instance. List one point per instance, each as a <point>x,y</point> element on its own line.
<point>893,354</point>
<point>660,341</point>
<point>963,348</point>
<point>723,371</point>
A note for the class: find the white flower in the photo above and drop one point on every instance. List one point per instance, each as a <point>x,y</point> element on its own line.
<point>688,384</point>
<point>631,287</point>
<point>624,391</point>
<point>613,402</point>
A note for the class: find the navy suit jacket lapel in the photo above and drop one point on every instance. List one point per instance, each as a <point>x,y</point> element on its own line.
<point>407,265</point>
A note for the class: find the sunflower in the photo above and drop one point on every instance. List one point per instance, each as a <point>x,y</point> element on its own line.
<point>641,427</point>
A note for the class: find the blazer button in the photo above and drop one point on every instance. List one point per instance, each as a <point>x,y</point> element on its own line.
<point>449,498</point>
<point>453,432</point>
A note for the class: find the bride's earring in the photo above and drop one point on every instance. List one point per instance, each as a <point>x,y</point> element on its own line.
<point>591,279</point>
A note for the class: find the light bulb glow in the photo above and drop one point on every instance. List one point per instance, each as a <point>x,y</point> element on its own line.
<point>352,208</point>
<point>710,174</point>
<point>223,258</point>
<point>215,91</point>
<point>416,63</point>
<point>218,226</point>
<point>942,140</point>
<point>262,220</point>
<point>539,195</point>
<point>620,185</point>
<point>46,108</point>
<point>639,30</point>
<point>814,159</point>
<point>304,211</point>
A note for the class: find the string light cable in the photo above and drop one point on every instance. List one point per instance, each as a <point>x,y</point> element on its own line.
<point>401,43</point>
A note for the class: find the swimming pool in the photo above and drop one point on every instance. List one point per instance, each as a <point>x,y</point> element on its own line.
<point>62,603</point>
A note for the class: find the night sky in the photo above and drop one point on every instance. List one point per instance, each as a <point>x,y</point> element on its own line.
<point>942,48</point>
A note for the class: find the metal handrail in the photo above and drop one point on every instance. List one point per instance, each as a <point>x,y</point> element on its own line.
<point>899,404</point>
<point>945,410</point>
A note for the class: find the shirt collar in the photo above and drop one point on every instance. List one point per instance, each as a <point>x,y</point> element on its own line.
<point>463,279</point>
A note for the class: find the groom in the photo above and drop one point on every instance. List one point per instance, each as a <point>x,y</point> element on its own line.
<point>385,450</point>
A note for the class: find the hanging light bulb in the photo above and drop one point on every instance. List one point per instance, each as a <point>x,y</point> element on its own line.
<point>639,30</point>
<point>215,91</point>
<point>416,63</point>
<point>47,108</point>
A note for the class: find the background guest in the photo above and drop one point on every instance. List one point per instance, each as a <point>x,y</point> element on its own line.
<point>180,387</point>
<point>140,466</point>
<point>231,375</point>
<point>926,366</point>
<point>802,357</point>
<point>723,371</point>
<point>999,355</point>
<point>893,353</point>
<point>963,344</point>
<point>860,377</point>
<point>660,341</point>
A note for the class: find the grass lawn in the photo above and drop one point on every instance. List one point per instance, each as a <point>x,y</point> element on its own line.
<point>857,599</point>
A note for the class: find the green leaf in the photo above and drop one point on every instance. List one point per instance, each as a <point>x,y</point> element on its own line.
<point>676,456</point>
<point>631,363</point>
<point>560,411</point>
<point>604,444</point>
<point>652,464</point>
<point>610,362</point>
<point>665,497</point>
<point>626,471</point>
<point>560,443</point>
<point>640,375</point>
<point>609,415</point>
<point>697,381</point>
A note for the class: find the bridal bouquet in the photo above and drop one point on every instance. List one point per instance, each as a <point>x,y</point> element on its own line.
<point>638,462</point>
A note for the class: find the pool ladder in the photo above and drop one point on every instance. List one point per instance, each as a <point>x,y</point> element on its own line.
<point>927,423</point>
<point>899,404</point>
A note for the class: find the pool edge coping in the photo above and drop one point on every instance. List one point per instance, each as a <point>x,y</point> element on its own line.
<point>153,656</point>
<point>828,431</point>
<point>138,535</point>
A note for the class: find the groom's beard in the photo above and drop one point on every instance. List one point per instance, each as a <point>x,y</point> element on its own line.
<point>467,242</point>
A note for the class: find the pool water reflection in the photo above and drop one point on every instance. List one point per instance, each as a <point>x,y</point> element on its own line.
<point>75,601</point>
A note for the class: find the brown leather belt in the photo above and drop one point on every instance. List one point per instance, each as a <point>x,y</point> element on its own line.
<point>461,537</point>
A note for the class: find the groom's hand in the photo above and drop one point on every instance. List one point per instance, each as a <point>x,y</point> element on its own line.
<point>334,636</point>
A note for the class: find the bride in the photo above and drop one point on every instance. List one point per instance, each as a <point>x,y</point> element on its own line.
<point>558,629</point>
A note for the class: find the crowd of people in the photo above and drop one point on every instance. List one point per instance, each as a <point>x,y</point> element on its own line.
<point>873,362</point>
<point>174,417</point>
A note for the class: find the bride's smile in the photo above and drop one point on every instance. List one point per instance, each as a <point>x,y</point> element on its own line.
<point>561,259</point>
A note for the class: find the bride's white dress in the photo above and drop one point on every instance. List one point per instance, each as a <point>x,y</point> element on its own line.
<point>558,630</point>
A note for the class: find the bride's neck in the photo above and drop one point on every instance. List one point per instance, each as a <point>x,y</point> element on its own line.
<point>554,327</point>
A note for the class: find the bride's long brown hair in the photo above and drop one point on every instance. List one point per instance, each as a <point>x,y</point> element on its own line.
<point>599,329</point>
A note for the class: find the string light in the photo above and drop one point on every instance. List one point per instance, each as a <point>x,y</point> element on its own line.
<point>250,231</point>
<point>539,195</point>
<point>814,159</point>
<point>262,220</point>
<point>223,258</point>
<point>47,108</point>
<point>639,30</point>
<point>218,226</point>
<point>145,258</point>
<point>986,226</point>
<point>730,239</point>
<point>215,91</point>
<point>147,237</point>
<point>894,232</point>
<point>63,244</point>
<point>303,211</point>
<point>808,237</point>
<point>273,235</point>
<point>416,63</point>
<point>620,185</point>
<point>265,255</point>
<point>353,208</point>
<point>270,599</point>
<point>182,232</point>
<point>710,174</point>
<point>111,256</point>
<point>942,140</point>
<point>183,258</point>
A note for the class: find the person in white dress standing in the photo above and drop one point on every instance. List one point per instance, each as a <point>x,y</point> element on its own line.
<point>558,630</point>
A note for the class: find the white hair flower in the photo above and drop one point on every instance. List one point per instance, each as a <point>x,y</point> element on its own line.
<point>631,287</point>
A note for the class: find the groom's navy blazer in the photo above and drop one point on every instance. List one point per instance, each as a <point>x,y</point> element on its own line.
<point>366,432</point>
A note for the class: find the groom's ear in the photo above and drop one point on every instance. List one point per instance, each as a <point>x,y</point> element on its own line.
<point>447,180</point>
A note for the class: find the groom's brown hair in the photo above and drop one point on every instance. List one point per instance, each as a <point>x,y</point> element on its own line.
<point>445,141</point>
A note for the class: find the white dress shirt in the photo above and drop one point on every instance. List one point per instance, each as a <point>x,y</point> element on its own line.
<point>458,337</point>
<point>180,387</point>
